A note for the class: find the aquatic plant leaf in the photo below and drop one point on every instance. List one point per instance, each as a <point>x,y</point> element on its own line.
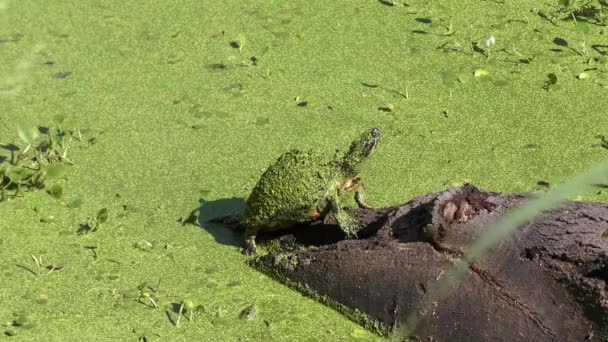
<point>58,118</point>
<point>28,134</point>
<point>191,301</point>
<point>582,27</point>
<point>480,72</point>
<point>47,218</point>
<point>141,333</point>
<point>242,40</point>
<point>54,171</point>
<point>102,215</point>
<point>23,321</point>
<point>144,245</point>
<point>19,174</point>
<point>552,78</point>
<point>583,75</point>
<point>75,203</point>
<point>56,191</point>
<point>261,121</point>
<point>449,77</point>
<point>360,333</point>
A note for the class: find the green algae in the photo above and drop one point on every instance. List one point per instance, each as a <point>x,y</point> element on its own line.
<point>140,75</point>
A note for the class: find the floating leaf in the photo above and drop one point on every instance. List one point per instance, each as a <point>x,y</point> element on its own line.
<point>144,245</point>
<point>242,39</point>
<point>23,321</point>
<point>583,75</point>
<point>75,203</point>
<point>480,72</point>
<point>102,215</point>
<point>582,27</point>
<point>265,50</point>
<point>56,191</point>
<point>18,174</point>
<point>200,114</point>
<point>47,218</point>
<point>41,142</point>
<point>58,138</point>
<point>543,183</point>
<point>360,333</point>
<point>54,171</point>
<point>42,299</point>
<point>449,78</point>
<point>211,270</point>
<point>29,295</point>
<point>58,118</point>
<point>261,121</point>
<point>141,333</point>
<point>191,301</point>
<point>62,75</point>
<point>603,141</point>
<point>28,134</point>
<point>388,107</point>
<point>490,41</point>
<point>211,285</point>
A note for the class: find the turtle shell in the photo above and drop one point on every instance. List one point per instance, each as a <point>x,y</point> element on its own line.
<point>291,190</point>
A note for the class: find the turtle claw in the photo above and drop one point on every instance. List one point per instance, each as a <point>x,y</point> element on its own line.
<point>360,199</point>
<point>250,248</point>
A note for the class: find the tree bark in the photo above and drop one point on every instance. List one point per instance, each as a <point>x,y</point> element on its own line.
<point>546,283</point>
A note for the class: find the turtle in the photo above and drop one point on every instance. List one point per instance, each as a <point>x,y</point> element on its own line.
<point>303,186</point>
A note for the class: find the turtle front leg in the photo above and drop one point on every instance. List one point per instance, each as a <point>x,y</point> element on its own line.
<point>357,185</point>
<point>360,198</point>
<point>249,237</point>
<point>348,224</point>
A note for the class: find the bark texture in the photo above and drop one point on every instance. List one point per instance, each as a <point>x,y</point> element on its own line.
<point>546,283</point>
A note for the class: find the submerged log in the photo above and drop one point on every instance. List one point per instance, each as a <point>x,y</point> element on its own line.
<point>546,283</point>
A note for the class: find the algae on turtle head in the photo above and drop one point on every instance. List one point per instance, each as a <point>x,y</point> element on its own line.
<point>303,186</point>
<point>358,152</point>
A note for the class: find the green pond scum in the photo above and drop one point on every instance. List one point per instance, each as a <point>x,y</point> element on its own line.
<point>186,104</point>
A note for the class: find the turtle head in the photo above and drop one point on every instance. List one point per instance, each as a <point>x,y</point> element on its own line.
<point>360,149</point>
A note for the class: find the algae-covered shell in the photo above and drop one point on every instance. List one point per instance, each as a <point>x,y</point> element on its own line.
<point>291,190</point>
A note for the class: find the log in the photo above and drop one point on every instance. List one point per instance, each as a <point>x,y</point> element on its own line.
<point>546,283</point>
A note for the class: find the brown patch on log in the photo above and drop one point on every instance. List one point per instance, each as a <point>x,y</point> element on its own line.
<point>546,283</point>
